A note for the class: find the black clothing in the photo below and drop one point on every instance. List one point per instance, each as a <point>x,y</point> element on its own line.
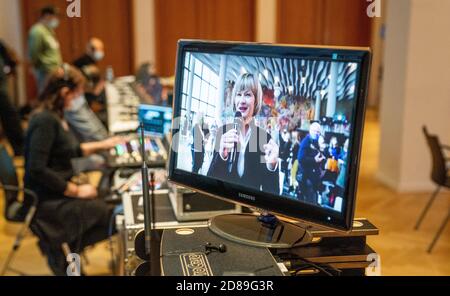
<point>309,169</point>
<point>49,149</point>
<point>256,174</point>
<point>84,60</point>
<point>285,151</point>
<point>197,148</point>
<point>9,117</point>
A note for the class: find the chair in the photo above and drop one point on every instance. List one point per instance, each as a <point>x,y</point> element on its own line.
<point>14,210</point>
<point>440,176</point>
<point>9,184</point>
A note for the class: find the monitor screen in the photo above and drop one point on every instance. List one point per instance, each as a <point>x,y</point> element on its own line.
<point>274,127</point>
<point>157,119</point>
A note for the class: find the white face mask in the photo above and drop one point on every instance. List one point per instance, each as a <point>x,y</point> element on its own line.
<point>53,24</point>
<point>77,103</point>
<point>98,55</point>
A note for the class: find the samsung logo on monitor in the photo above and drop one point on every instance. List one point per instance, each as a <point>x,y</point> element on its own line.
<point>246,196</point>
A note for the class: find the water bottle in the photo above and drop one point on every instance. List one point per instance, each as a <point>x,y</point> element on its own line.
<point>109,74</point>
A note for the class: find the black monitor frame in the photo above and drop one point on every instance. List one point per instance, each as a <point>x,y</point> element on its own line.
<point>285,207</point>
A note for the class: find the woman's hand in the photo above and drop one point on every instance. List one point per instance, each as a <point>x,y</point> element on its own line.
<point>87,191</point>
<point>227,143</point>
<point>271,151</point>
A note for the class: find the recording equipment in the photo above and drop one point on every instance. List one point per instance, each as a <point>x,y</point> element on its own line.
<point>342,75</point>
<point>157,120</point>
<point>189,205</point>
<point>122,105</point>
<point>237,126</point>
<point>129,153</point>
<point>185,253</point>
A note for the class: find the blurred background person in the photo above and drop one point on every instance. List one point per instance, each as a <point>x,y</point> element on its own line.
<point>9,117</point>
<point>43,46</point>
<point>95,52</point>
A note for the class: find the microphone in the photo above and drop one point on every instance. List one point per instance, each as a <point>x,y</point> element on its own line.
<point>237,126</point>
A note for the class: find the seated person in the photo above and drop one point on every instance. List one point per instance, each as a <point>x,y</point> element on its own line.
<point>149,86</point>
<point>67,212</point>
<point>95,99</point>
<point>95,52</point>
<point>83,122</point>
<point>95,86</point>
<point>256,160</point>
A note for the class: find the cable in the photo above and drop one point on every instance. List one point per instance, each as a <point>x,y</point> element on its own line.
<point>307,263</point>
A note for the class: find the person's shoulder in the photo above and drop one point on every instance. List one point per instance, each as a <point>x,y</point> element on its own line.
<point>43,117</point>
<point>37,28</point>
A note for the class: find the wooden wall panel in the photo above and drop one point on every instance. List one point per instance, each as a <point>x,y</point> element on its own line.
<point>199,19</point>
<point>109,20</point>
<point>323,22</point>
<point>298,21</point>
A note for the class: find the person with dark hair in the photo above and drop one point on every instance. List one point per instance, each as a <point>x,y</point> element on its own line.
<point>43,46</point>
<point>255,161</point>
<point>9,117</point>
<point>67,212</point>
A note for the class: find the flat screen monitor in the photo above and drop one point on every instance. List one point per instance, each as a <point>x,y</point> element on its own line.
<point>157,120</point>
<point>274,127</point>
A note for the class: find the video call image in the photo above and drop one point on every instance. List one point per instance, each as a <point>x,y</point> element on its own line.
<point>277,125</point>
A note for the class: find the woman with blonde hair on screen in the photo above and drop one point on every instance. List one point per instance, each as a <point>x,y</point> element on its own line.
<point>245,153</point>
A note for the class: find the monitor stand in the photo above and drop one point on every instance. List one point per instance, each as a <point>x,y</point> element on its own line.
<point>264,230</point>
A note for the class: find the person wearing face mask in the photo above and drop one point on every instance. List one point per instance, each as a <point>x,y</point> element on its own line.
<point>95,94</point>
<point>255,161</point>
<point>310,159</point>
<point>67,211</point>
<point>95,52</point>
<point>43,47</point>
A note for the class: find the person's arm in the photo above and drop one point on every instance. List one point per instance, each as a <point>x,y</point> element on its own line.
<point>93,147</point>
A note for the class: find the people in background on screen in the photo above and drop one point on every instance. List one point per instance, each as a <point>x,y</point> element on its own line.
<point>340,181</point>
<point>9,117</point>
<point>198,143</point>
<point>295,138</point>
<point>285,151</point>
<point>68,211</point>
<point>331,165</point>
<point>246,154</point>
<point>310,158</point>
<point>43,46</point>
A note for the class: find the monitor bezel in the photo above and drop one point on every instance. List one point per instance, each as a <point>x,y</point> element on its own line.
<point>340,221</point>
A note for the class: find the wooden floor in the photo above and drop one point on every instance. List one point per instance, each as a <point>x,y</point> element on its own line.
<point>402,250</point>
